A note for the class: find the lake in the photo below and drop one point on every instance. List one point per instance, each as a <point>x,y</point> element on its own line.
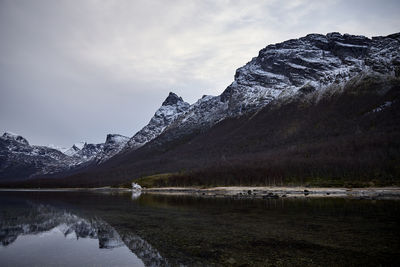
<point>125,229</point>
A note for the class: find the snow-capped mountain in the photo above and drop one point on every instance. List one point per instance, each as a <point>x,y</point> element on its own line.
<point>15,137</point>
<point>294,68</point>
<point>71,151</point>
<point>88,152</point>
<point>313,65</point>
<point>19,159</point>
<point>171,109</point>
<point>59,148</point>
<point>114,144</point>
<point>323,103</point>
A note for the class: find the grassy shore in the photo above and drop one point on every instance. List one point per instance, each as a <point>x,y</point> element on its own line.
<point>207,181</point>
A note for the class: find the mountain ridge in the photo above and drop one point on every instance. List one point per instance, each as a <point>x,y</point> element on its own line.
<point>293,69</point>
<point>81,155</point>
<point>310,69</point>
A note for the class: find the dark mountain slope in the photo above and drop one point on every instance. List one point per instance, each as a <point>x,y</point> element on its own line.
<point>350,134</point>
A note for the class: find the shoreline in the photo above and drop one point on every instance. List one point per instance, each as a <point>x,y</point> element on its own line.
<point>260,192</point>
<point>266,192</point>
<point>67,189</point>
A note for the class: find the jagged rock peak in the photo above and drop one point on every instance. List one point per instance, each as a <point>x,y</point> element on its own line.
<point>116,138</point>
<point>114,143</point>
<point>172,99</point>
<point>15,137</point>
<point>71,151</point>
<point>75,147</point>
<point>171,109</point>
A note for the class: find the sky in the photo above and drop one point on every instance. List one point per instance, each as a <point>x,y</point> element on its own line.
<point>74,71</point>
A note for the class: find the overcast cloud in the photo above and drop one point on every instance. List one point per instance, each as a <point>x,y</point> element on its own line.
<point>77,70</point>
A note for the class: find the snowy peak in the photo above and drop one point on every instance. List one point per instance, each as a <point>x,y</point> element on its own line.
<point>116,139</point>
<point>114,144</point>
<point>71,151</point>
<point>20,160</point>
<point>172,99</point>
<point>59,148</point>
<point>79,145</point>
<point>88,152</point>
<point>15,137</point>
<point>74,149</point>
<point>171,109</point>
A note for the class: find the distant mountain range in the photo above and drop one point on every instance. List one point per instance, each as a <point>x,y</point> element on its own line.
<point>318,106</point>
<point>19,160</point>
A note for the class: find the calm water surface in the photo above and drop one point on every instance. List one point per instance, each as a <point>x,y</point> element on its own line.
<point>94,229</point>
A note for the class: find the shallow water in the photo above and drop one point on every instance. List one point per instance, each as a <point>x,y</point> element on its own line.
<point>97,229</point>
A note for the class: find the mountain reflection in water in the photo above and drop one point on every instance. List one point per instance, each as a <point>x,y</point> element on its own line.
<point>44,223</point>
<point>77,228</point>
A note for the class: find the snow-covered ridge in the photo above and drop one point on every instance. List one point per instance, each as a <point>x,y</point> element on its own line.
<point>71,151</point>
<point>294,68</point>
<point>114,144</point>
<point>16,154</point>
<point>15,151</point>
<point>291,69</point>
<point>59,148</point>
<point>15,137</point>
<point>116,139</point>
<point>42,160</point>
<point>171,109</point>
<point>316,61</point>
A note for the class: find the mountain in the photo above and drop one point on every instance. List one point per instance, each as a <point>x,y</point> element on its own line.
<point>171,109</point>
<point>114,144</point>
<point>88,152</point>
<point>294,68</point>
<point>318,107</point>
<point>20,160</point>
<point>59,148</point>
<point>73,149</point>
<point>14,138</point>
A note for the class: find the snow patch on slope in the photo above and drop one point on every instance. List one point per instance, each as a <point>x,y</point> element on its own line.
<point>171,109</point>
<point>113,145</point>
<point>16,137</point>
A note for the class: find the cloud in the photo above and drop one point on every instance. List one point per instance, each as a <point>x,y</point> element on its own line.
<point>79,70</point>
